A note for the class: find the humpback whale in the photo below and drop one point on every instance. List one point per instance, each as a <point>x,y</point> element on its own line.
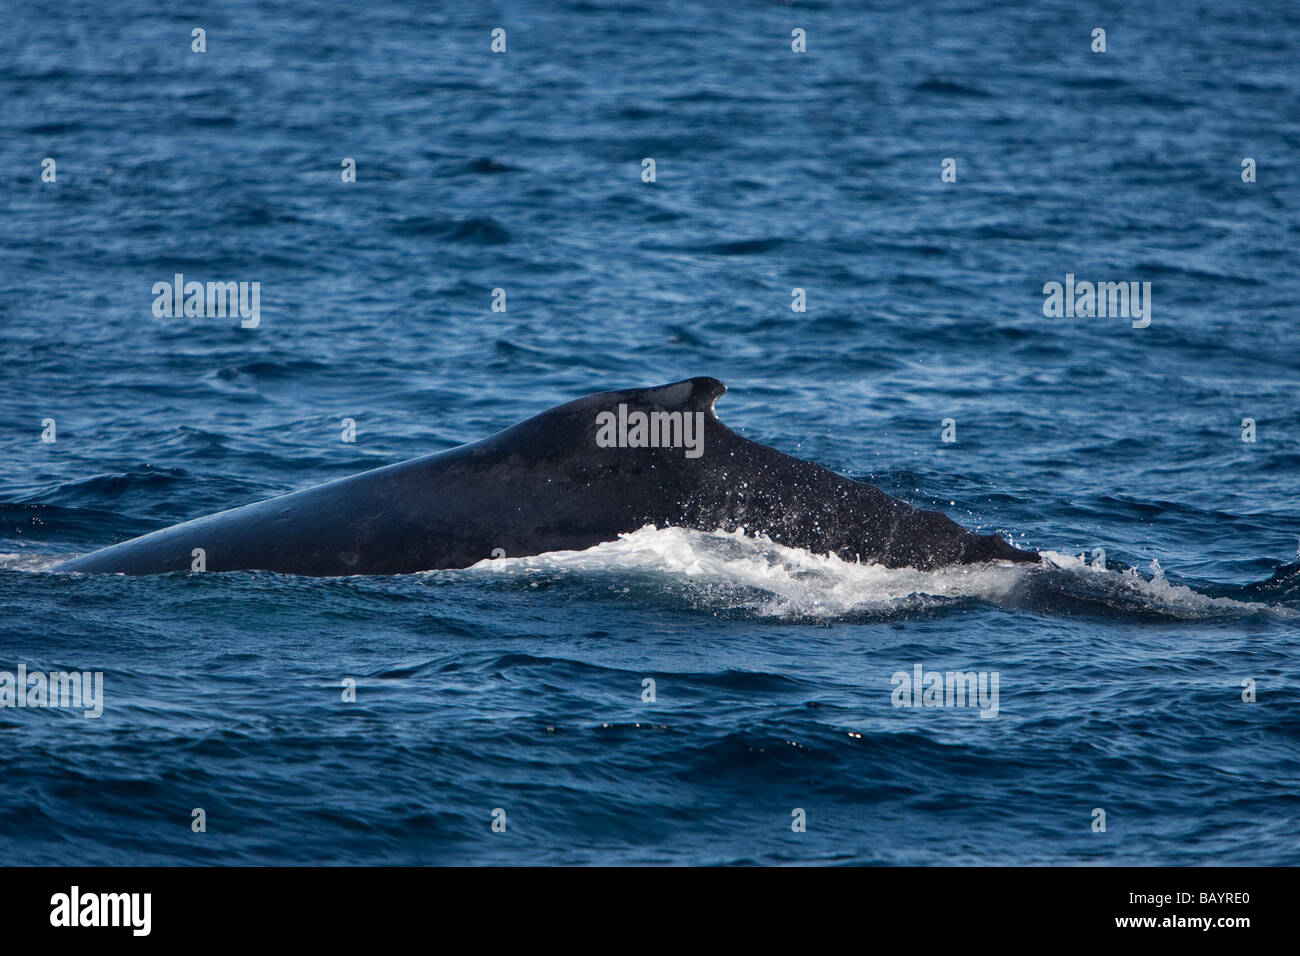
<point>567,479</point>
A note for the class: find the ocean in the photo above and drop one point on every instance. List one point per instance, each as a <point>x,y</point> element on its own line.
<point>855,238</point>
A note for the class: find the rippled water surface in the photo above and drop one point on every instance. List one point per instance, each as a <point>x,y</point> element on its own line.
<point>518,684</point>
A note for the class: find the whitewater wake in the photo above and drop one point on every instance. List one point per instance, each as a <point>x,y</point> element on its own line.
<point>731,572</point>
<point>769,579</point>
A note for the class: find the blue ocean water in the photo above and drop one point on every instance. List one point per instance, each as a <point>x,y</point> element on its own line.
<point>517,686</point>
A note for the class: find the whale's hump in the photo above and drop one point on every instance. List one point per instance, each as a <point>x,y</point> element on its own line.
<point>573,424</point>
<point>567,479</point>
<point>689,395</point>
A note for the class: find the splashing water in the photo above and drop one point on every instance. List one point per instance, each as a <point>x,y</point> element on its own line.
<point>755,574</point>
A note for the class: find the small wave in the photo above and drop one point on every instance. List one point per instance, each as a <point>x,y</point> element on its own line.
<point>478,231</point>
<point>739,247</point>
<point>949,88</point>
<point>486,165</point>
<point>271,369</point>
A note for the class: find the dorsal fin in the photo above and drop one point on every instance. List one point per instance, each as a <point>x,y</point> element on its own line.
<point>691,394</point>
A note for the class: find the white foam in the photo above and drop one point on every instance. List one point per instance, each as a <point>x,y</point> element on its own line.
<point>731,570</point>
<point>783,581</point>
<point>19,561</point>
